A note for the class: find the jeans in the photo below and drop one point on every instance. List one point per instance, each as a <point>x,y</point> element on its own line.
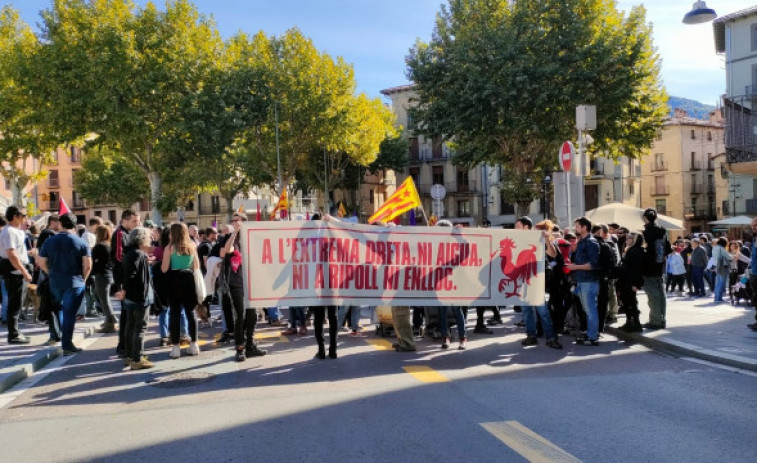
<point>587,292</point>
<point>354,316</point>
<point>457,312</point>
<point>296,317</point>
<point>319,315</point>
<point>245,319</point>
<point>720,281</point>
<point>602,296</point>
<point>5,300</point>
<point>273,314</point>
<point>656,299</point>
<point>135,332</point>
<point>546,321</point>
<point>70,300</point>
<point>101,293</point>
<point>697,279</point>
<point>14,287</point>
<point>183,297</point>
<point>163,323</point>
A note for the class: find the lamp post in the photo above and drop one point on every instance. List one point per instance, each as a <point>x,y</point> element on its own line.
<point>545,193</point>
<point>699,14</point>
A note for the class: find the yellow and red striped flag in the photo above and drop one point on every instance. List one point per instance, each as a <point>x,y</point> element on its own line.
<point>282,205</point>
<point>342,211</point>
<point>405,198</point>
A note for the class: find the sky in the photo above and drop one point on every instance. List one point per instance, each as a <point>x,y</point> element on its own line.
<point>375,35</point>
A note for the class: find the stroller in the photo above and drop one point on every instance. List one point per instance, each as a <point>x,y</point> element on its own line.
<point>742,290</point>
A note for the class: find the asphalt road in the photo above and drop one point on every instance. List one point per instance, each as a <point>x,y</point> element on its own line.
<point>495,401</point>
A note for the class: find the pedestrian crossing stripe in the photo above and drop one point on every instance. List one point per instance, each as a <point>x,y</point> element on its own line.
<point>425,374</point>
<point>528,444</point>
<point>270,337</point>
<point>380,344</point>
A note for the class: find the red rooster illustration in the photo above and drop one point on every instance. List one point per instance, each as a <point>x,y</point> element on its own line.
<point>519,272</point>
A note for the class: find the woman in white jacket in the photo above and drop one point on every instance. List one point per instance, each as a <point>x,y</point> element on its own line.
<point>677,270</point>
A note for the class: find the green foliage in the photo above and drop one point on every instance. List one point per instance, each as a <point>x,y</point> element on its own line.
<point>24,136</point>
<point>108,177</point>
<point>503,78</point>
<point>393,154</point>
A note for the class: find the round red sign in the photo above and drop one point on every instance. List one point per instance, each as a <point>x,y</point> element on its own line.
<point>566,155</point>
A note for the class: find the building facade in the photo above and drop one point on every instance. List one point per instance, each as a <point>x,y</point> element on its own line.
<point>682,177</point>
<point>736,38</point>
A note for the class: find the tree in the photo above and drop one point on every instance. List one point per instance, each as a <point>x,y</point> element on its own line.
<point>108,177</point>
<point>128,75</point>
<point>26,142</point>
<point>502,80</point>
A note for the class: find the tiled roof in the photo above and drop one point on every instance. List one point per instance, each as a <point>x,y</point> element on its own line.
<point>737,15</point>
<point>398,89</point>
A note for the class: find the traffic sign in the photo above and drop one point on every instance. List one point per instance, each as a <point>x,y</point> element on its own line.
<point>567,152</point>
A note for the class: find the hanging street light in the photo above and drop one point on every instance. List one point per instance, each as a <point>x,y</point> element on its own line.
<point>699,14</point>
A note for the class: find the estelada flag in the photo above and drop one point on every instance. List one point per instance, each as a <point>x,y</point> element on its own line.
<point>342,211</point>
<point>63,207</point>
<point>282,205</point>
<point>240,209</point>
<point>405,198</point>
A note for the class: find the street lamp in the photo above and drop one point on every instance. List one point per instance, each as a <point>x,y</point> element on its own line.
<point>699,14</point>
<point>545,193</point>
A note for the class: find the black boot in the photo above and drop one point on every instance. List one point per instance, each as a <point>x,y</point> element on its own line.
<point>321,355</point>
<point>637,325</point>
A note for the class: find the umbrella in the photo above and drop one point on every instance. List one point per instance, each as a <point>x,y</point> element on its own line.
<point>738,221</point>
<point>629,216</point>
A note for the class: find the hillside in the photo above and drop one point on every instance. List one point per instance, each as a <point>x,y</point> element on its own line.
<point>694,108</point>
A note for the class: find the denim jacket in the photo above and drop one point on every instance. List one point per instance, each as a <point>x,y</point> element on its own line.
<point>587,250</point>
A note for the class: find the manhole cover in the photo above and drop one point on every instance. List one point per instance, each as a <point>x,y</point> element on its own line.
<point>205,354</point>
<point>179,380</point>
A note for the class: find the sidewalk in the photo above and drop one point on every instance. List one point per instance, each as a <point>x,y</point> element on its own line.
<point>18,361</point>
<point>701,329</point>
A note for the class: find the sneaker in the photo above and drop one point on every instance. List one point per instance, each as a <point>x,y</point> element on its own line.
<point>320,355</point>
<point>652,326</point>
<point>587,342</point>
<point>239,356</point>
<point>194,349</point>
<point>20,339</point>
<point>289,331</point>
<point>481,329</point>
<point>71,351</point>
<point>529,341</point>
<point>493,321</point>
<point>107,328</point>
<point>143,364</point>
<point>226,338</point>
<point>357,334</point>
<point>463,344</point>
<point>254,351</point>
<point>554,344</point>
<point>165,342</point>
<point>303,331</point>
<point>175,352</point>
<point>185,340</point>
<point>401,348</point>
<point>445,343</point>
<point>52,342</point>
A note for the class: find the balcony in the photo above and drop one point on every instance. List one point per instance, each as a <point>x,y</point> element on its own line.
<point>699,214</point>
<point>696,166</point>
<point>659,166</point>
<point>740,143</point>
<point>53,183</point>
<point>471,187</point>
<point>697,189</point>
<point>660,190</point>
<point>710,190</point>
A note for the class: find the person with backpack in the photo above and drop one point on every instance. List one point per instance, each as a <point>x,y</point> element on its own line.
<point>657,250</point>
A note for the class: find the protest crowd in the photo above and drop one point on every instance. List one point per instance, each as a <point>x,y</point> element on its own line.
<point>173,275</point>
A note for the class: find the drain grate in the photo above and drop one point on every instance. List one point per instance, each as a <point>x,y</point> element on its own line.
<point>179,380</point>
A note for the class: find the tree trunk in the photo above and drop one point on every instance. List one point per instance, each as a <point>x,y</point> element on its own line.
<point>16,192</point>
<point>521,209</point>
<point>229,207</point>
<point>156,194</point>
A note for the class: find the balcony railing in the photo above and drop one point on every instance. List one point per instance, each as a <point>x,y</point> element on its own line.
<point>699,214</point>
<point>452,187</point>
<point>696,166</point>
<point>740,143</point>
<point>710,189</point>
<point>53,183</point>
<point>696,189</point>
<point>659,166</point>
<point>658,190</point>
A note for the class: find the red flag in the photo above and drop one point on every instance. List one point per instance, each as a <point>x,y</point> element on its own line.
<point>257,216</point>
<point>307,215</point>
<point>63,207</point>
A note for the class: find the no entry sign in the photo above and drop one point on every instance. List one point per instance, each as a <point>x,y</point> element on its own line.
<point>566,155</point>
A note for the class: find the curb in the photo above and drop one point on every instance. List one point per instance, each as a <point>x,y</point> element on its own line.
<point>10,376</point>
<point>680,348</point>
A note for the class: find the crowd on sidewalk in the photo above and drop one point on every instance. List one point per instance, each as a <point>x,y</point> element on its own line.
<point>593,273</point>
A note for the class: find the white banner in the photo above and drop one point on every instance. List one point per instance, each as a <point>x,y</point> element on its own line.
<point>317,263</point>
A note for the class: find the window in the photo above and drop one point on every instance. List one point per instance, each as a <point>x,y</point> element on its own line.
<point>54,157</point>
<point>693,135</point>
<point>709,136</point>
<point>659,185</point>
<point>631,189</point>
<point>371,197</point>
<point>754,36</point>
<point>659,161</point>
<point>710,162</point>
<point>415,173</point>
<point>98,213</point>
<point>215,205</point>
<point>462,180</point>
<point>77,200</point>
<point>660,206</point>
<point>506,208</point>
<point>437,175</point>
<point>112,216</point>
<point>190,206</point>
<point>694,163</point>
<point>53,179</point>
<point>54,200</point>
<point>75,154</point>
<point>414,150</point>
<point>463,208</point>
<point>436,146</point>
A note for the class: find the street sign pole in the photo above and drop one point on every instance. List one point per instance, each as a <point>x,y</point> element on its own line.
<point>566,157</point>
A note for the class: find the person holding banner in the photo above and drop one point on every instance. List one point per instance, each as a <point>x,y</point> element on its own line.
<point>319,316</point>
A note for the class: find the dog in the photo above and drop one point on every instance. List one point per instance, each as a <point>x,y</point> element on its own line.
<point>31,299</point>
